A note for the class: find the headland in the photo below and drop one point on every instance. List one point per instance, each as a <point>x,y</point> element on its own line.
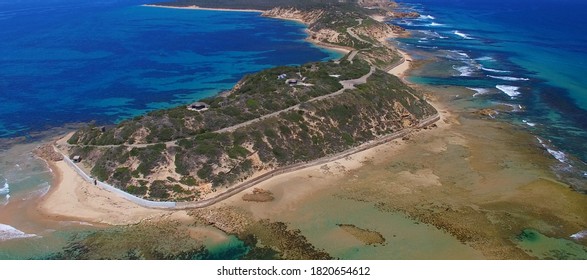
<point>466,178</point>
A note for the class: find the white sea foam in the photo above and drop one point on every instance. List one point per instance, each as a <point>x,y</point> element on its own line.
<point>436,24</point>
<point>460,53</point>
<point>529,123</point>
<point>511,91</point>
<point>427,17</point>
<point>464,71</point>
<point>485,58</point>
<point>8,232</point>
<point>579,235</point>
<point>479,91</point>
<point>6,189</point>
<point>432,34</point>
<point>462,35</point>
<point>540,141</point>
<point>494,70</point>
<point>505,78</point>
<point>42,190</point>
<point>560,156</point>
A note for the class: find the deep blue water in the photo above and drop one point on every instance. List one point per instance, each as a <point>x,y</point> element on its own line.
<point>68,61</point>
<point>64,61</point>
<point>530,55</point>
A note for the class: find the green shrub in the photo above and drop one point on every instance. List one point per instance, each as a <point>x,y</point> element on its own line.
<point>252,104</point>
<point>142,190</point>
<point>237,152</point>
<point>159,190</point>
<point>205,171</point>
<point>188,180</point>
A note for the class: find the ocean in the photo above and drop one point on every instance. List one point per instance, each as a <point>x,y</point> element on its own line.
<point>72,61</point>
<point>527,56</point>
<point>64,62</point>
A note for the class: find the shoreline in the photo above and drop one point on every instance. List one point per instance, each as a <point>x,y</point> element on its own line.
<point>101,209</point>
<point>338,49</point>
<point>194,7</point>
<point>403,67</point>
<point>72,198</point>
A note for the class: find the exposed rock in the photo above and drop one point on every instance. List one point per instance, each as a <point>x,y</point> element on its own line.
<point>47,152</point>
<point>227,219</point>
<point>377,4</point>
<point>259,195</point>
<point>405,15</point>
<point>307,17</point>
<point>368,237</point>
<point>487,112</point>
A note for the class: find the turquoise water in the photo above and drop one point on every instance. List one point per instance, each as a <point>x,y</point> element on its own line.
<point>77,61</point>
<point>70,61</point>
<point>528,55</point>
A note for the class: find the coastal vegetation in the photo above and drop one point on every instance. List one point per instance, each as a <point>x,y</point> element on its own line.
<point>216,155</point>
<point>272,119</point>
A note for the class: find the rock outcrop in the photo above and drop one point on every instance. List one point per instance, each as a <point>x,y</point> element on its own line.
<point>307,17</point>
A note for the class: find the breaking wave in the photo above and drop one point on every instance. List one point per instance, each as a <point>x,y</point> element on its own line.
<point>464,71</point>
<point>579,235</point>
<point>5,190</point>
<point>505,78</point>
<point>529,123</point>
<point>462,35</point>
<point>494,70</point>
<point>511,91</point>
<point>480,91</point>
<point>8,232</point>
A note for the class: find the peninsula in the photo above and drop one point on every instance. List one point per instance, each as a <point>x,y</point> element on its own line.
<point>272,122</point>
<point>313,150</point>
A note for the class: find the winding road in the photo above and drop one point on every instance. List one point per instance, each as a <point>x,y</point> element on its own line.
<point>346,85</point>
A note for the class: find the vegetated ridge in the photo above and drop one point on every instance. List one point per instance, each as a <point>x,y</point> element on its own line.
<point>272,119</point>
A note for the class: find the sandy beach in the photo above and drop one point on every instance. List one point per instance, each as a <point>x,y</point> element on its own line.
<point>401,69</point>
<point>71,197</point>
<point>471,183</point>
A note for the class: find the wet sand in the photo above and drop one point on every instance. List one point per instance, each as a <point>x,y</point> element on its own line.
<point>74,198</point>
<point>464,190</point>
<point>472,185</point>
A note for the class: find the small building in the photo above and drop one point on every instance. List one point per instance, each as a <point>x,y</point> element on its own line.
<point>198,106</point>
<point>76,159</point>
<point>282,76</point>
<point>291,82</point>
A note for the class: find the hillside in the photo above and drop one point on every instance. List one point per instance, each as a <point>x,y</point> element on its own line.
<point>138,156</point>
<point>269,120</point>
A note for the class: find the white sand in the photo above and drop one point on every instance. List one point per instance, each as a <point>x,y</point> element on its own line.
<point>73,198</point>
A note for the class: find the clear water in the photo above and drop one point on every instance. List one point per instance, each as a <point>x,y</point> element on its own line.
<point>529,55</point>
<point>69,61</point>
<point>66,61</point>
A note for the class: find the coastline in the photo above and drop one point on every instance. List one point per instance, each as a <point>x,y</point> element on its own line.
<point>334,48</point>
<point>71,197</point>
<point>403,68</point>
<point>96,205</point>
<point>466,206</point>
<point>194,7</point>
